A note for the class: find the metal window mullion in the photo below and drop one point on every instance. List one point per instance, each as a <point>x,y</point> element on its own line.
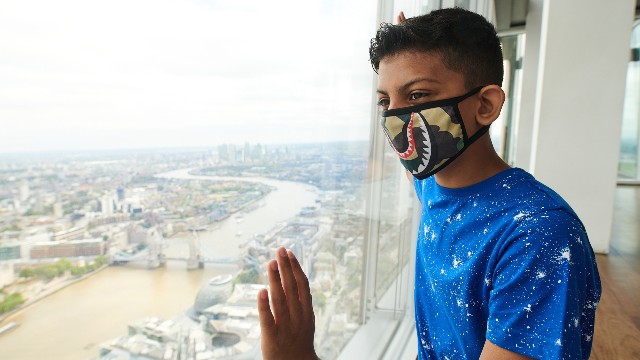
<point>372,237</point>
<point>637,116</point>
<point>374,197</point>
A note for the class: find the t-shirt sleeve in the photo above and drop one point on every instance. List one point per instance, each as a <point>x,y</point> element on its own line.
<point>545,289</point>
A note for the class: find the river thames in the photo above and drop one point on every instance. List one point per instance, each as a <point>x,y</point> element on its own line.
<point>72,323</point>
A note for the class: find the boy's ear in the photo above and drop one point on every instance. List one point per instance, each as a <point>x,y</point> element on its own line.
<point>491,101</point>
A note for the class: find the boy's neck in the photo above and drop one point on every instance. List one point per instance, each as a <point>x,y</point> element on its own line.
<point>476,164</point>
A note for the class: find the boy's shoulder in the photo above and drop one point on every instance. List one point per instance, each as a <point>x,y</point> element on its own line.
<point>511,194</point>
<point>521,188</point>
<point>533,199</point>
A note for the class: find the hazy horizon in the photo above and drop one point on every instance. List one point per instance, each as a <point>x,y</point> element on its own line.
<point>163,150</point>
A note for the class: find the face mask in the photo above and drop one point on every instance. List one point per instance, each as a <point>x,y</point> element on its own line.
<point>427,137</point>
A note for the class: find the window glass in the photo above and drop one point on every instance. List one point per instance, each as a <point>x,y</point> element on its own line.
<point>503,131</point>
<point>155,154</point>
<point>628,169</point>
<point>393,230</point>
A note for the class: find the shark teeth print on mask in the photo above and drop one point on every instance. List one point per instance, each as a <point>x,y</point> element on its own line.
<point>411,146</point>
<point>425,150</point>
<point>404,143</point>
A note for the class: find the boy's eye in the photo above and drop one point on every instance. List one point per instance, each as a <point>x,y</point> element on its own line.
<point>417,95</point>
<point>383,103</point>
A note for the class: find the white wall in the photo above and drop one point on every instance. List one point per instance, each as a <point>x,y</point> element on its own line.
<point>573,111</point>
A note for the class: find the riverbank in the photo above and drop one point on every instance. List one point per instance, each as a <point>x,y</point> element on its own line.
<point>48,292</point>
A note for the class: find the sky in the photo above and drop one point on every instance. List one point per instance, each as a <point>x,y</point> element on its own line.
<point>89,75</point>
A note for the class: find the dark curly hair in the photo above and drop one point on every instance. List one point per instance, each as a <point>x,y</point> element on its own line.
<point>466,42</point>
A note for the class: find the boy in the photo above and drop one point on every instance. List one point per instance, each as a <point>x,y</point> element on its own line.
<point>504,268</point>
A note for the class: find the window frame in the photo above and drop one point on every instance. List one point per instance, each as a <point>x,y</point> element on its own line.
<point>387,320</point>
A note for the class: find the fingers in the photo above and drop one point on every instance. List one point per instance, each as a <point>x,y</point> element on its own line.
<point>304,292</point>
<point>267,322</point>
<point>278,298</point>
<point>289,284</point>
<point>400,18</point>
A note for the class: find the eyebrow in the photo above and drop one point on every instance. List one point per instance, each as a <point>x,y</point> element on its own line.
<point>408,84</point>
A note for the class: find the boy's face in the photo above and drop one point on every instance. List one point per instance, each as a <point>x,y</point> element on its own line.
<point>415,77</point>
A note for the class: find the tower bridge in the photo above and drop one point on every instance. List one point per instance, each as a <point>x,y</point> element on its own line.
<point>154,255</point>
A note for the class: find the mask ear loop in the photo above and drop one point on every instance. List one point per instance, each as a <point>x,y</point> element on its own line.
<point>468,140</point>
<point>483,130</point>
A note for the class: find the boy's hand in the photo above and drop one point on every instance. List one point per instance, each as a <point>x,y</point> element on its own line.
<point>287,333</point>
<point>400,18</point>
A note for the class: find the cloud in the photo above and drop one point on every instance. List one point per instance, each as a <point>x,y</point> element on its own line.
<point>80,74</point>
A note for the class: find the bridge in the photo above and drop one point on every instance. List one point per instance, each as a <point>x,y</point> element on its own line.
<point>154,256</point>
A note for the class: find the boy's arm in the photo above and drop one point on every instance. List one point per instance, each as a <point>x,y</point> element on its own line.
<point>491,351</point>
<point>287,332</point>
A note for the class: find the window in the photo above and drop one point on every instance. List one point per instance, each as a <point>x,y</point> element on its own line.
<point>628,170</point>
<point>160,152</point>
<point>503,131</point>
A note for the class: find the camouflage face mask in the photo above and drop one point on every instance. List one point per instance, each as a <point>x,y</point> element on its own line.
<point>427,137</point>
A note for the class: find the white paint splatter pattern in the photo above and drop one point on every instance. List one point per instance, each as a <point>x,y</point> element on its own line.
<point>565,256</point>
<point>512,261</point>
<point>456,262</point>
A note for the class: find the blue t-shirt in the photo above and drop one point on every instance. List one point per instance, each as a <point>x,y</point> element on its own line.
<point>506,260</point>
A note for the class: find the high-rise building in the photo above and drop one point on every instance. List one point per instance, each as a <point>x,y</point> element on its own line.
<point>24,191</point>
<point>120,193</point>
<point>223,152</point>
<point>233,156</point>
<point>57,210</point>
<point>106,205</point>
<point>258,153</point>
<point>16,205</point>
<point>247,152</point>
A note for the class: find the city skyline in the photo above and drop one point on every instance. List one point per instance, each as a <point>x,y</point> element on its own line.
<point>126,151</point>
<point>143,74</point>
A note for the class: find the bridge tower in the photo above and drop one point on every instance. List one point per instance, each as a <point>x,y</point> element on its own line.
<point>154,251</point>
<point>194,262</point>
<point>156,257</point>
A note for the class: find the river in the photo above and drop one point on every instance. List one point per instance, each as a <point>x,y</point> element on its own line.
<point>72,323</point>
